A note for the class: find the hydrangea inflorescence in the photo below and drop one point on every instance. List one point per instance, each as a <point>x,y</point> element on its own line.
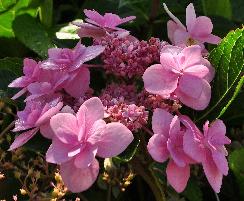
<point>59,100</point>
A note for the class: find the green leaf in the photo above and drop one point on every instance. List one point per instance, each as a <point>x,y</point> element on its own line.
<point>193,191</point>
<point>12,64</point>
<point>228,61</point>
<point>129,153</point>
<point>9,9</point>
<point>220,8</point>
<point>31,33</point>
<point>236,161</point>
<point>237,91</point>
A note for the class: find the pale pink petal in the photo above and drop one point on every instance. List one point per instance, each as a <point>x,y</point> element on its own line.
<point>171,49</point>
<point>91,52</point>
<point>115,139</point>
<point>127,19</point>
<point>78,179</point>
<point>94,16</point>
<point>174,126</point>
<point>167,61</point>
<point>65,127</point>
<point>157,148</point>
<point>209,77</point>
<point>161,120</point>
<point>212,173</point>
<point>95,111</point>
<point>46,130</point>
<point>220,162</point>
<point>20,93</point>
<point>190,17</point>
<point>196,103</point>
<point>202,27</point>
<point>48,114</point>
<point>200,71</point>
<point>217,128</point>
<point>171,27</point>
<point>180,37</point>
<point>193,55</point>
<point>96,131</point>
<point>58,152</point>
<point>192,146</point>
<point>79,84</point>
<point>85,157</point>
<point>19,82</point>
<point>23,138</point>
<point>191,86</point>
<point>158,80</point>
<point>211,39</point>
<point>177,176</point>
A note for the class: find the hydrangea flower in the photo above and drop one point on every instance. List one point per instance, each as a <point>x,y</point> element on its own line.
<point>182,73</point>
<point>208,148</point>
<point>78,139</point>
<point>198,30</point>
<point>167,142</point>
<point>97,25</point>
<point>35,116</point>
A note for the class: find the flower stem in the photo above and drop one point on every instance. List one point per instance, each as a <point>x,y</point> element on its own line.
<point>149,178</point>
<point>46,13</point>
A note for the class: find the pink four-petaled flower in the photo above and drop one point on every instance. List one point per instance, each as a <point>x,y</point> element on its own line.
<point>183,73</point>
<point>78,139</point>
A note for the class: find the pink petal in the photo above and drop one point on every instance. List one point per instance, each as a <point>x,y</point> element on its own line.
<point>220,162</point>
<point>46,130</point>
<point>58,152</point>
<point>191,86</point>
<point>95,111</point>
<point>212,173</point>
<point>94,15</point>
<point>127,19</point>
<point>158,80</point>
<point>209,77</point>
<point>96,131</point>
<point>217,128</point>
<point>114,140</point>
<point>85,157</point>
<point>88,30</point>
<point>161,120</point>
<point>180,37</point>
<point>79,84</point>
<point>23,138</point>
<point>202,27</point>
<point>65,127</point>
<point>200,71</point>
<point>78,179</point>
<point>193,55</point>
<point>177,176</point>
<point>48,114</point>
<point>168,62</point>
<point>20,93</point>
<point>91,52</point>
<point>174,126</point>
<point>192,146</point>
<point>190,17</point>
<point>19,82</point>
<point>157,148</point>
<point>171,27</point>
<point>211,39</point>
<point>196,103</point>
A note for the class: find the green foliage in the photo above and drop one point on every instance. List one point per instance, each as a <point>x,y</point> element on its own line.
<point>220,8</point>
<point>228,61</point>
<point>193,191</point>
<point>9,10</point>
<point>236,161</point>
<point>36,38</point>
<point>129,153</point>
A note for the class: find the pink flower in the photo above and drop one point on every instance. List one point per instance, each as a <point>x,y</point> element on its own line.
<point>183,73</point>
<point>208,149</point>
<point>197,31</point>
<point>78,139</point>
<point>70,60</point>
<point>167,142</point>
<point>35,116</point>
<point>99,25</point>
<point>31,71</point>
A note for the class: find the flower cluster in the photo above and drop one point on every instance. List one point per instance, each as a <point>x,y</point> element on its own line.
<point>60,104</point>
